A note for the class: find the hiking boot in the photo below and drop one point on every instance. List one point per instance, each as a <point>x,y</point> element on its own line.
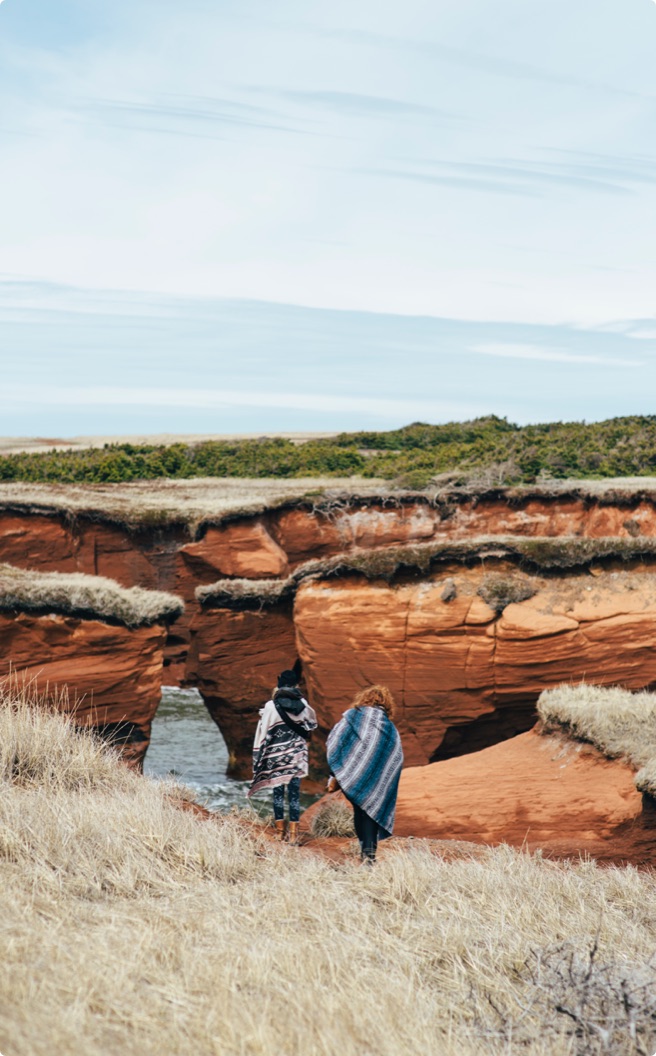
<point>280,831</point>
<point>293,833</point>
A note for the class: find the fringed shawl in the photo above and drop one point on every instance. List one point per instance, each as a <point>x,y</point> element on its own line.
<point>365,755</point>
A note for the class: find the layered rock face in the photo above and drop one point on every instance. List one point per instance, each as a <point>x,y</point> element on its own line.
<point>464,676</point>
<point>537,791</point>
<point>165,556</point>
<point>113,673</point>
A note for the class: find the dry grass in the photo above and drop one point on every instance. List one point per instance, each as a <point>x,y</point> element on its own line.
<point>189,503</point>
<point>333,818</point>
<point>88,597</point>
<point>618,722</point>
<point>132,927</point>
<point>212,500</point>
<point>260,592</point>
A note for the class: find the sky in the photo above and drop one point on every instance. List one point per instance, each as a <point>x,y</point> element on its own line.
<point>244,216</point>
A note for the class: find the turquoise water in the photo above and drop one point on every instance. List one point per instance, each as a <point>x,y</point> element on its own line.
<point>187,745</point>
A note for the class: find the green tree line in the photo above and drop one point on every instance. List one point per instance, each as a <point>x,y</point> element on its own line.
<point>411,456</point>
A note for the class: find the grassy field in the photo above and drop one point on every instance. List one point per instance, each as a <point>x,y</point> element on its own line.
<point>131,926</point>
<point>489,451</point>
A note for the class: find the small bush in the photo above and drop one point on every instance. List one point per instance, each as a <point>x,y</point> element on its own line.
<point>333,818</point>
<point>499,590</point>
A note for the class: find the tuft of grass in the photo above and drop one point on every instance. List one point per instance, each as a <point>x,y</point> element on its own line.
<point>87,597</point>
<point>619,723</point>
<point>333,818</point>
<point>499,589</point>
<point>132,926</point>
<point>226,593</point>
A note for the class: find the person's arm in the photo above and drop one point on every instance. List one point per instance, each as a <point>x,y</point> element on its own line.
<point>263,726</point>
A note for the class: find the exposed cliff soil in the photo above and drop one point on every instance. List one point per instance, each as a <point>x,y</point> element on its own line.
<point>235,659</point>
<point>462,674</point>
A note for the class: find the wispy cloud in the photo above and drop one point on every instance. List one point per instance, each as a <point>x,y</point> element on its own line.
<point>185,115</point>
<point>124,396</point>
<point>479,62</point>
<point>356,104</point>
<point>551,355</point>
<point>532,178</point>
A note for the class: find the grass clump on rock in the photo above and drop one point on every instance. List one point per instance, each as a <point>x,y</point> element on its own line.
<point>500,589</point>
<point>132,926</point>
<point>87,597</point>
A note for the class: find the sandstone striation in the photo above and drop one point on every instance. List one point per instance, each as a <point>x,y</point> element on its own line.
<point>112,673</point>
<point>464,675</point>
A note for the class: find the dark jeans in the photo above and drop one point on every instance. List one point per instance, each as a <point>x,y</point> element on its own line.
<point>366,829</point>
<point>294,796</point>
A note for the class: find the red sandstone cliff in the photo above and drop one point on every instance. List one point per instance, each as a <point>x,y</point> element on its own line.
<point>463,675</point>
<point>113,674</point>
<point>166,553</point>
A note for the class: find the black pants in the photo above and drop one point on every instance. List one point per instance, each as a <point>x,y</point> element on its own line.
<point>366,829</point>
<point>294,795</point>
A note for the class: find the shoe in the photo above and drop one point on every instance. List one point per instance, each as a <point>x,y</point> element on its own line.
<point>280,831</point>
<point>293,833</point>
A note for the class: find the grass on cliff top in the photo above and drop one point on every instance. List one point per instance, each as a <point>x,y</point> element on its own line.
<point>189,503</point>
<point>132,926</point>
<point>619,723</point>
<point>87,597</point>
<point>540,554</point>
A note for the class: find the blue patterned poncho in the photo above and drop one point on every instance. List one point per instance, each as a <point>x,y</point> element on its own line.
<point>365,755</point>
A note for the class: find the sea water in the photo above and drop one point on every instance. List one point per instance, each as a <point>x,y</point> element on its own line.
<point>187,745</point>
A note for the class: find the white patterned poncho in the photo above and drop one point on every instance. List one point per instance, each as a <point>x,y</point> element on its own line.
<point>279,754</point>
<point>365,755</point>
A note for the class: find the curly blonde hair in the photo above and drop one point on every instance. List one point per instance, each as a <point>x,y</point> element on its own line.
<point>376,697</point>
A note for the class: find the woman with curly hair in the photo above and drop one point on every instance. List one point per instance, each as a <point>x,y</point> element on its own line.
<point>365,759</point>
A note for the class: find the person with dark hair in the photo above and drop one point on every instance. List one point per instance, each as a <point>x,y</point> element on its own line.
<point>280,749</point>
<point>365,759</point>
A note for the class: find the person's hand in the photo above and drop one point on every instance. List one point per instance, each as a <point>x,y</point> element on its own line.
<point>331,785</point>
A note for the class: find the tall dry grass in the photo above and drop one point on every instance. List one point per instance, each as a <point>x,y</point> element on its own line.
<point>132,927</point>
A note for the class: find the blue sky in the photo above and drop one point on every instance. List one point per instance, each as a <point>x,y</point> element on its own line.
<point>252,216</point>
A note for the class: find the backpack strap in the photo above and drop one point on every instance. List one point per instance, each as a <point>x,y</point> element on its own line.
<point>295,727</point>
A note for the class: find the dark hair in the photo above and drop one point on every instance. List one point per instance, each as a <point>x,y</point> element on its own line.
<point>291,677</point>
<point>376,697</point>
